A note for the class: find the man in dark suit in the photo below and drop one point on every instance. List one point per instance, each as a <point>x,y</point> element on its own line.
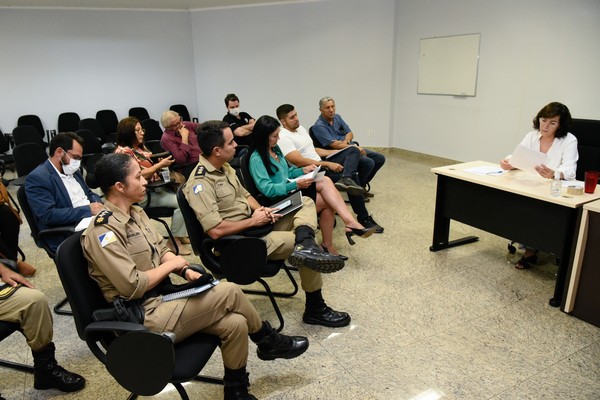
<point>56,191</point>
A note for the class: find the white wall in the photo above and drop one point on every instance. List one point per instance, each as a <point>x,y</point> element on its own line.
<point>532,52</point>
<point>362,52</point>
<point>298,53</point>
<point>86,60</point>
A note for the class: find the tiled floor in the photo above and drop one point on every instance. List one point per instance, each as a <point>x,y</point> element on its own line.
<point>457,324</point>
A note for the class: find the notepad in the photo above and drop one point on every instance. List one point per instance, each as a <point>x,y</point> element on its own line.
<point>190,292</point>
<point>486,170</point>
<point>289,204</point>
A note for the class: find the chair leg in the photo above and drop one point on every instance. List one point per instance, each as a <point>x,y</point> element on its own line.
<point>273,302</point>
<point>58,307</point>
<point>169,233</point>
<point>21,253</point>
<point>278,294</point>
<point>181,390</point>
<point>16,365</point>
<point>208,379</point>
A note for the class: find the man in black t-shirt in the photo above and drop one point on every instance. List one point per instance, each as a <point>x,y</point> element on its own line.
<point>241,123</point>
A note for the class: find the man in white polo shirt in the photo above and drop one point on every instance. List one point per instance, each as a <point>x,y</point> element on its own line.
<point>56,191</point>
<point>342,167</point>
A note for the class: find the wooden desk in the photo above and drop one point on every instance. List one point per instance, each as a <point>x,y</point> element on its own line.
<point>515,205</point>
<point>583,297</point>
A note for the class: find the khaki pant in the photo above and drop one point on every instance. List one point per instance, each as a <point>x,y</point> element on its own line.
<point>280,242</point>
<point>29,308</point>
<point>223,311</point>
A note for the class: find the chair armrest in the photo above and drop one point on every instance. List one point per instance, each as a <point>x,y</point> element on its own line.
<point>95,328</point>
<point>57,229</point>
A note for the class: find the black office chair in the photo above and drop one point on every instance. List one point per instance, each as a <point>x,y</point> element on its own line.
<point>36,122</point>
<point>68,122</point>
<point>183,112</point>
<point>587,132</point>
<point>27,156</point>
<point>141,361</point>
<point>27,134</point>
<point>6,158</point>
<point>239,259</point>
<point>139,112</point>
<point>109,121</point>
<point>158,213</point>
<point>91,143</point>
<point>39,237</point>
<point>94,126</point>
<point>7,329</point>
<point>152,128</point>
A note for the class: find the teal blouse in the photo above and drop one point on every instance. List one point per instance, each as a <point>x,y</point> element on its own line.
<point>277,184</point>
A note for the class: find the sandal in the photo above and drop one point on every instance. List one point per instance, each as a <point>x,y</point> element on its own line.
<point>526,262</point>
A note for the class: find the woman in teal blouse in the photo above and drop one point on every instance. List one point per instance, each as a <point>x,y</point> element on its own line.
<point>270,173</point>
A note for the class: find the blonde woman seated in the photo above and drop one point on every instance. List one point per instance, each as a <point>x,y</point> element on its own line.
<point>130,141</point>
<point>270,173</point>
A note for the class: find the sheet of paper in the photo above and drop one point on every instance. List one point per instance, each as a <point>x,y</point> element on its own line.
<point>527,159</point>
<point>310,175</point>
<point>486,170</point>
<point>84,223</point>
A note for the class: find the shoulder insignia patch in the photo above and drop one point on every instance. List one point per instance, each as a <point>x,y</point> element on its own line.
<point>200,171</point>
<point>107,238</point>
<point>102,217</point>
<point>198,188</point>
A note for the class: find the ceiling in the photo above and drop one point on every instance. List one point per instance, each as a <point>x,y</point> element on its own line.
<point>141,4</point>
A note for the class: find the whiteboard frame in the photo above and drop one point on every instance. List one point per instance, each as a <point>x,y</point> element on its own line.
<point>449,65</point>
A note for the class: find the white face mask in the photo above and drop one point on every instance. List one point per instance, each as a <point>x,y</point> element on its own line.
<point>71,167</point>
<point>234,111</point>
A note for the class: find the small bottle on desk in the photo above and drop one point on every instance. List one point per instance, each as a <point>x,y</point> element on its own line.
<point>556,185</point>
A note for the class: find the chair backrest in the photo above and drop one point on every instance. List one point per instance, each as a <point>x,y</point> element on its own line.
<point>194,228</point>
<point>68,122</point>
<point>91,143</point>
<point>4,143</point>
<point>7,329</point>
<point>26,134</point>
<point>139,112</point>
<point>108,120</point>
<point>33,226</point>
<point>83,292</point>
<point>182,110</point>
<point>27,156</point>
<point>32,120</point>
<point>154,146</point>
<point>587,132</point>
<point>315,141</point>
<point>94,126</point>
<point>153,131</point>
<point>248,182</point>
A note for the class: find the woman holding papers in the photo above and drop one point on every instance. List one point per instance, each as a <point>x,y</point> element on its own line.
<point>551,137</point>
<point>272,175</point>
<point>130,260</point>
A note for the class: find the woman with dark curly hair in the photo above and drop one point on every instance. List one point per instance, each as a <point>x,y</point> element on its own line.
<point>551,137</point>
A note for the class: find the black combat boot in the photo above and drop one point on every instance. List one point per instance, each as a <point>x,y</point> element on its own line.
<point>307,254</point>
<point>236,384</point>
<point>272,344</point>
<point>318,313</point>
<point>47,374</point>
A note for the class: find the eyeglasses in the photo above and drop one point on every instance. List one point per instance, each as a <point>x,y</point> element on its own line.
<point>73,156</point>
<point>140,130</point>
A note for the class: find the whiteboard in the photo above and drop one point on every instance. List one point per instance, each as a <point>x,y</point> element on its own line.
<point>448,65</point>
